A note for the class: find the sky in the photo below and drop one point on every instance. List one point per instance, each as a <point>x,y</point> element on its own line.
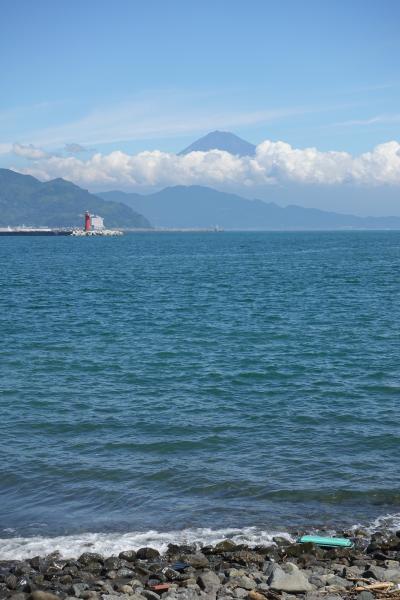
<point>105,93</point>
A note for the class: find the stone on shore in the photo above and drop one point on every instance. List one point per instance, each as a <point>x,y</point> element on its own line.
<point>90,557</point>
<point>197,561</point>
<point>129,555</point>
<point>254,595</point>
<point>147,553</point>
<point>289,578</point>
<point>209,582</point>
<point>39,595</point>
<point>225,546</point>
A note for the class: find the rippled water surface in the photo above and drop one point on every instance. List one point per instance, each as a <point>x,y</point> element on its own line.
<point>174,381</point>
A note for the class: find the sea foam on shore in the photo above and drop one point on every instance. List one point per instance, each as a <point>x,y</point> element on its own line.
<point>18,547</point>
<point>15,548</point>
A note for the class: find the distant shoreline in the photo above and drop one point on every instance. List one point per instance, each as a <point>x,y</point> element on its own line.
<point>210,230</point>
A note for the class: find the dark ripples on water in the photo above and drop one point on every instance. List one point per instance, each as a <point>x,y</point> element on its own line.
<point>168,381</point>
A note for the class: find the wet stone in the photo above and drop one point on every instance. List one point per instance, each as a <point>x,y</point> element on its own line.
<point>245,582</point>
<point>40,595</point>
<point>93,567</point>
<point>235,572</point>
<point>150,595</point>
<point>289,578</point>
<point>113,563</point>
<point>197,561</point>
<point>125,573</point>
<point>365,596</point>
<point>170,574</point>
<point>175,549</point>
<point>147,553</point>
<point>86,576</point>
<point>240,593</point>
<point>24,569</point>
<point>90,557</point>
<point>129,555</point>
<point>190,583</point>
<point>247,557</point>
<point>255,595</point>
<point>125,589</point>
<point>142,570</point>
<point>297,550</point>
<point>105,586</point>
<point>25,585</point>
<point>280,541</point>
<point>78,588</point>
<point>225,546</point>
<point>11,582</point>
<point>209,581</point>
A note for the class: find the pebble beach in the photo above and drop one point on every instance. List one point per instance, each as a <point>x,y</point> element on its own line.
<point>280,570</point>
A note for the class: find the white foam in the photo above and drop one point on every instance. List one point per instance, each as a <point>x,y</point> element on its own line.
<point>108,544</point>
<point>390,522</point>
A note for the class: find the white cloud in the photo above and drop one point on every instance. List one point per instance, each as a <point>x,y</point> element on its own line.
<point>29,151</point>
<point>387,118</point>
<point>274,163</point>
<point>5,148</point>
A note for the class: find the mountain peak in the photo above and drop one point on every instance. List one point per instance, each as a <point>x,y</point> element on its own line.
<point>221,140</point>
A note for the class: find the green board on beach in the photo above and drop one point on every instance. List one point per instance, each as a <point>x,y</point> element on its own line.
<point>326,541</point>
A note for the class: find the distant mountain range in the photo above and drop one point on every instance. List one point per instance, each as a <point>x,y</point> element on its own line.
<point>197,206</point>
<point>25,200</point>
<point>221,140</point>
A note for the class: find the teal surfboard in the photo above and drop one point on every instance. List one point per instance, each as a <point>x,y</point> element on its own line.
<point>326,541</point>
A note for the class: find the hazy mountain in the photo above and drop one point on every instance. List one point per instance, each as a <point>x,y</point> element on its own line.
<point>221,140</point>
<point>197,206</point>
<point>57,203</point>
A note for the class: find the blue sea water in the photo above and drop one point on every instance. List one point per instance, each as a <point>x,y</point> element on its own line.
<point>198,382</point>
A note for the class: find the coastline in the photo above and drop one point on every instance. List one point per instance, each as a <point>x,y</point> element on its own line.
<point>277,568</point>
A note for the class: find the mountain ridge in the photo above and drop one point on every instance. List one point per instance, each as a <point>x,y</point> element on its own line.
<point>25,200</point>
<point>200,206</point>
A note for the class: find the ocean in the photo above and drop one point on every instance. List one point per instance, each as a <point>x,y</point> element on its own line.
<point>193,386</point>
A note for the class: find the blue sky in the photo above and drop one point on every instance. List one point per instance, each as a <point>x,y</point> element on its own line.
<point>132,75</point>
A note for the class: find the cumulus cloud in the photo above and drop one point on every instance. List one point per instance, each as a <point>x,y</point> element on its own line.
<point>29,151</point>
<point>274,163</point>
<point>5,148</point>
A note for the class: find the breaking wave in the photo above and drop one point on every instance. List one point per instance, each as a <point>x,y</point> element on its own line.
<point>109,544</point>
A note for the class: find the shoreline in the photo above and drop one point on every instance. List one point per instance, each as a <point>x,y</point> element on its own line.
<point>22,544</point>
<point>279,568</point>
